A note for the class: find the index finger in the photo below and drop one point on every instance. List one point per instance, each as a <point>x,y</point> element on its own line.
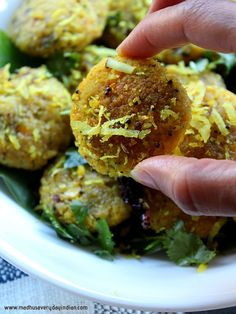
<point>208,24</point>
<point>161,4</point>
<point>155,33</point>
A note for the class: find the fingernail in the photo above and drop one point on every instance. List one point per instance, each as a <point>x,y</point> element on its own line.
<point>119,50</point>
<point>144,177</point>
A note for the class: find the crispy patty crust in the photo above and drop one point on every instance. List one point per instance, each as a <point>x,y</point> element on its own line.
<point>119,119</point>
<point>32,128</point>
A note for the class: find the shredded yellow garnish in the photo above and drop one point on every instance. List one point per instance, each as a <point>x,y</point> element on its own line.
<point>13,139</point>
<point>216,229</point>
<point>194,145</point>
<point>111,156</point>
<point>216,118</point>
<point>196,92</point>
<point>94,102</point>
<point>202,268</point>
<point>166,113</point>
<point>36,135</point>
<point>180,69</point>
<point>105,131</point>
<point>81,170</point>
<point>94,181</point>
<point>200,122</point>
<point>230,111</point>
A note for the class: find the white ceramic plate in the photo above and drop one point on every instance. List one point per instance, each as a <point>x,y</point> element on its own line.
<point>148,283</point>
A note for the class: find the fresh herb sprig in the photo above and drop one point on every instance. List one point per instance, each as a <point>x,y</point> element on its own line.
<point>185,248</point>
<point>182,248</point>
<point>105,240</point>
<point>101,242</point>
<point>62,64</point>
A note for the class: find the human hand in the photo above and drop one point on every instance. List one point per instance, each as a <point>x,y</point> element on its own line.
<point>171,23</point>
<point>197,186</point>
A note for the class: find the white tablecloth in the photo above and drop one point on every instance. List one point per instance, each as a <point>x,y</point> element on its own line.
<point>27,294</point>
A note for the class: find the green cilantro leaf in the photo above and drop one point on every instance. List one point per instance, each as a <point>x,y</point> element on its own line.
<point>104,254</point>
<point>74,159</point>
<point>105,236</point>
<point>79,229</point>
<point>154,244</point>
<point>81,234</point>
<point>69,60</point>
<point>60,230</point>
<point>80,211</point>
<point>186,248</point>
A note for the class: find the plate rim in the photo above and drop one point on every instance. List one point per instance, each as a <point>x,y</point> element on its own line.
<point>23,263</point>
<point>27,265</point>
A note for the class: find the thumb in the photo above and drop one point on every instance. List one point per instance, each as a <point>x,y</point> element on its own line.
<point>197,186</point>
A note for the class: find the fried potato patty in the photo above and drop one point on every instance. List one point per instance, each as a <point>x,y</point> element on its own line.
<point>187,75</point>
<point>163,214</point>
<point>99,194</point>
<point>42,27</point>
<point>212,131</point>
<point>119,119</point>
<point>186,53</point>
<point>32,129</point>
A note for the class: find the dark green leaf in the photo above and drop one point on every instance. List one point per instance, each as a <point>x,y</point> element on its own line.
<point>80,212</point>
<point>105,236</point>
<point>61,64</point>
<point>10,54</point>
<point>145,245</point>
<point>60,230</point>
<point>72,56</point>
<point>154,245</point>
<point>79,230</point>
<point>222,63</point>
<point>74,159</point>
<point>21,185</point>
<point>186,248</point>
<point>83,236</point>
<point>104,254</point>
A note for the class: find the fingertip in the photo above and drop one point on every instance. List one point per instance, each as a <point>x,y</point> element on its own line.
<point>119,50</point>
<point>157,31</point>
<point>133,46</point>
<point>150,171</point>
<point>124,49</point>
